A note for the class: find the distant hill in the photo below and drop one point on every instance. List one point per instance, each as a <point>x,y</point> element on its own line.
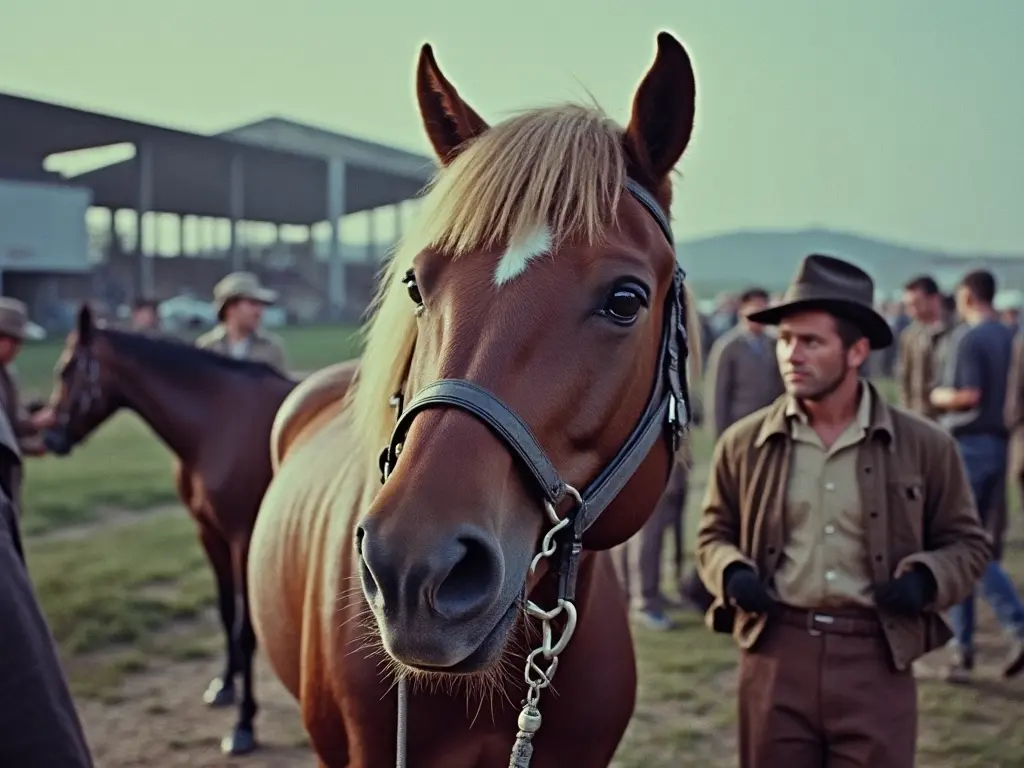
<point>769,258</point>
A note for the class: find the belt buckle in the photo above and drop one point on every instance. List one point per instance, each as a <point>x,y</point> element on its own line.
<point>817,617</point>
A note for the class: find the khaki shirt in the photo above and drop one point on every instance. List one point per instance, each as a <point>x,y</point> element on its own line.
<point>743,376</point>
<point>920,365</point>
<point>261,346</point>
<point>824,562</point>
<point>913,489</point>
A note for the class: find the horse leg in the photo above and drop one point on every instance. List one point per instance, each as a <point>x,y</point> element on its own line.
<point>221,691</point>
<point>242,738</point>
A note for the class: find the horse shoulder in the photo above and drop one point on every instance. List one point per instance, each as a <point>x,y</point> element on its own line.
<point>312,403</point>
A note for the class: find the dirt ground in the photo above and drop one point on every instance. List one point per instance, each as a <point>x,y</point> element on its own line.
<point>159,720</point>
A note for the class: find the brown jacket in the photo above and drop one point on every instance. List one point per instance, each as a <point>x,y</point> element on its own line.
<point>913,485</point>
<point>264,347</point>
<point>920,366</point>
<point>740,381</point>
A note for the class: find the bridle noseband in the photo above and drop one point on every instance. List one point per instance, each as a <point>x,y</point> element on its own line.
<point>667,413</point>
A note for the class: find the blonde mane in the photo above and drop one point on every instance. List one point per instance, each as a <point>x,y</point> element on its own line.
<point>562,167</point>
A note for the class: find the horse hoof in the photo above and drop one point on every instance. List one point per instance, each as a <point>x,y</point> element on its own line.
<point>242,741</point>
<point>219,695</point>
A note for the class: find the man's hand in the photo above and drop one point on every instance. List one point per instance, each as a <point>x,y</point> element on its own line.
<point>907,594</point>
<point>44,418</point>
<point>745,589</point>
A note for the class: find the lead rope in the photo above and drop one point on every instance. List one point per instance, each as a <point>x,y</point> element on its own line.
<point>403,718</point>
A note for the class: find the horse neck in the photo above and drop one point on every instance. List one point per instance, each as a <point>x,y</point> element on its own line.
<point>179,404</point>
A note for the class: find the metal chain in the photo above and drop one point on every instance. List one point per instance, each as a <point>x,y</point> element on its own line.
<point>539,677</point>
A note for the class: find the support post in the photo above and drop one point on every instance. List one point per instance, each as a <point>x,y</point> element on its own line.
<point>145,261</point>
<point>336,288</point>
<point>236,205</point>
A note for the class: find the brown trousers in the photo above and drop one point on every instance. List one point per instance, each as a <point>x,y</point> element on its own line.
<point>825,695</point>
<point>639,560</point>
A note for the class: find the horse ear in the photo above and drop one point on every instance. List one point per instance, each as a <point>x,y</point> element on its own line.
<point>85,323</point>
<point>661,123</point>
<point>449,121</point>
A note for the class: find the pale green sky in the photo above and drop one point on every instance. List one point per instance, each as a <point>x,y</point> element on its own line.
<point>895,118</point>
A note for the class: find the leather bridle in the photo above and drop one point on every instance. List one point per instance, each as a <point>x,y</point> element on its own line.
<point>667,413</point>
<point>668,408</point>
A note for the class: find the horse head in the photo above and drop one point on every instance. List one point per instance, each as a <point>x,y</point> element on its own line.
<point>82,398</point>
<point>541,290</point>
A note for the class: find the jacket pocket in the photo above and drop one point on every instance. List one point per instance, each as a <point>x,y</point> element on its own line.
<point>905,498</point>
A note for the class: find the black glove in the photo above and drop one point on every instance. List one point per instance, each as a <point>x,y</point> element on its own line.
<point>907,594</point>
<point>744,588</point>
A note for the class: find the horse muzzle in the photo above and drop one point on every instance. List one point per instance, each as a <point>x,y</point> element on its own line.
<point>57,442</point>
<point>446,605</point>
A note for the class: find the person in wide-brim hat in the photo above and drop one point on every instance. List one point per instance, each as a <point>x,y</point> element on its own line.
<point>827,284</point>
<point>240,285</point>
<point>14,322</point>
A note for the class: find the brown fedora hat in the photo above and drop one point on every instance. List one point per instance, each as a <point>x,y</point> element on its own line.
<point>828,284</point>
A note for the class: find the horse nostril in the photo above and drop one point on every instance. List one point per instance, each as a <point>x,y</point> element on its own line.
<point>473,581</point>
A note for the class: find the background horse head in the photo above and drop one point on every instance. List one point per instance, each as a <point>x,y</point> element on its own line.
<point>535,275</point>
<point>215,414</point>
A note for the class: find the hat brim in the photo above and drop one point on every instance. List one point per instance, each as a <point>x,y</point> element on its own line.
<point>266,296</point>
<point>874,327</point>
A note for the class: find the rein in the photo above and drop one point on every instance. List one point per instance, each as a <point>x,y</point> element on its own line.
<point>668,409</point>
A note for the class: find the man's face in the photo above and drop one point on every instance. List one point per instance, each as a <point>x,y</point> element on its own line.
<point>9,349</point>
<point>916,305</point>
<point>144,318</point>
<point>753,305</point>
<point>811,356</point>
<point>246,314</point>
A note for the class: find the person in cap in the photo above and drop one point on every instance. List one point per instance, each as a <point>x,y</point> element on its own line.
<point>15,328</point>
<point>835,530</point>
<point>239,300</point>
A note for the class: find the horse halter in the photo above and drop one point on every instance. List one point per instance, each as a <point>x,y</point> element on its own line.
<point>668,409</point>
<point>87,391</point>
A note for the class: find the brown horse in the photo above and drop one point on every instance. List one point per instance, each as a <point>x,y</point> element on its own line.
<point>215,414</point>
<point>537,319</point>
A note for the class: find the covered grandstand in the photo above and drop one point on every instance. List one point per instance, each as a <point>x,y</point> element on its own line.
<point>252,197</point>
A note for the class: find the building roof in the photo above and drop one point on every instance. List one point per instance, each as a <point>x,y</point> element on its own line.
<point>285,163</point>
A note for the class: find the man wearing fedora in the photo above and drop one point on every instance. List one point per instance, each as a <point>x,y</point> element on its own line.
<point>239,300</point>
<point>836,527</point>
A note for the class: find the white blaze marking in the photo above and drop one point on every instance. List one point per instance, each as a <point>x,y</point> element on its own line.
<point>518,257</point>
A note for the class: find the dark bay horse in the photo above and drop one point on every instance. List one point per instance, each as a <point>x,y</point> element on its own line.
<point>215,415</point>
<point>530,339</point>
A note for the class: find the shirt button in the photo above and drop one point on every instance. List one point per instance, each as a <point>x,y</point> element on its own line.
<point>830,486</point>
<point>830,529</point>
<point>830,575</point>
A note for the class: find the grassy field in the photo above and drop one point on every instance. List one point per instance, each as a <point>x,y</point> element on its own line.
<point>122,598</point>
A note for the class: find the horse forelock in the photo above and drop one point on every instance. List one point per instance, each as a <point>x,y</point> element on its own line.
<point>525,185</point>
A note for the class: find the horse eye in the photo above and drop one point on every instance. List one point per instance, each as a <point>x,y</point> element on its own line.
<point>414,291</point>
<point>624,304</point>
